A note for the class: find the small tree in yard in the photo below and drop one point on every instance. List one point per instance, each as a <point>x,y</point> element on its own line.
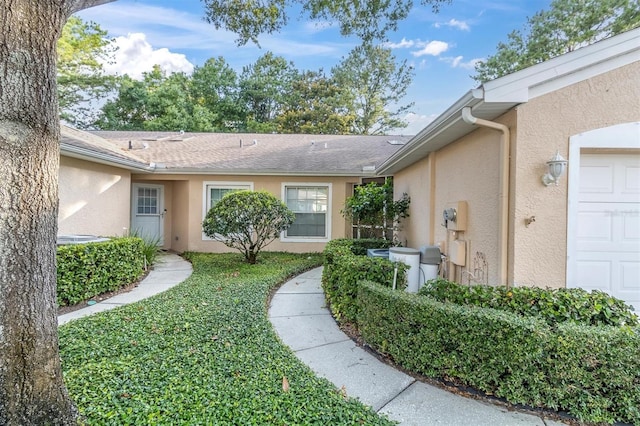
<point>247,221</point>
<point>373,212</point>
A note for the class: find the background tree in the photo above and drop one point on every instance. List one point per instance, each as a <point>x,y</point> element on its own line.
<point>214,86</point>
<point>315,106</point>
<point>159,102</point>
<point>32,391</point>
<point>82,48</point>
<point>247,221</point>
<point>566,26</point>
<point>128,111</point>
<point>264,88</point>
<point>374,86</point>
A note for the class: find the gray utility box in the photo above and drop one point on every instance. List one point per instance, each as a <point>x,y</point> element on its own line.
<point>430,255</point>
<point>429,262</point>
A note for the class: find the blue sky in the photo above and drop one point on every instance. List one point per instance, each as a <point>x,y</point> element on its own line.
<point>442,47</point>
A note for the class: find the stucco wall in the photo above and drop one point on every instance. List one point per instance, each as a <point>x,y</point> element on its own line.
<point>545,125</point>
<point>415,180</point>
<point>94,198</point>
<point>187,210</point>
<point>180,208</point>
<point>468,170</point>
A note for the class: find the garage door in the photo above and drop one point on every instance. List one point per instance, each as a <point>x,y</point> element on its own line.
<point>607,245</point>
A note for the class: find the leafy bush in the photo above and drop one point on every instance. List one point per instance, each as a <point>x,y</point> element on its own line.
<point>593,372</point>
<point>554,306</point>
<point>346,264</point>
<point>86,270</point>
<point>202,353</point>
<point>247,221</point>
<point>151,247</point>
<point>373,211</point>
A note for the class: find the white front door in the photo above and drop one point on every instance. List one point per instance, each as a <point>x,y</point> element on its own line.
<point>148,212</point>
<point>607,246</point>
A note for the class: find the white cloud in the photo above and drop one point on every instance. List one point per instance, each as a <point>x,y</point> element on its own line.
<point>433,48</point>
<point>163,26</point>
<point>135,56</point>
<point>178,30</point>
<point>454,23</point>
<point>457,62</point>
<point>403,44</point>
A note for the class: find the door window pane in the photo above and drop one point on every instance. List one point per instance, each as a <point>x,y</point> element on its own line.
<point>147,200</point>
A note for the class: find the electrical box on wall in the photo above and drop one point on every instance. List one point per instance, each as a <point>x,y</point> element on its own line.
<point>458,252</point>
<point>454,216</point>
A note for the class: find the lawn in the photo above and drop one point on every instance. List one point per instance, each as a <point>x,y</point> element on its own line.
<point>204,353</point>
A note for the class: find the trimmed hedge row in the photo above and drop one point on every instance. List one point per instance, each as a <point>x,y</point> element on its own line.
<point>86,270</point>
<point>593,372</point>
<point>552,305</point>
<point>346,264</point>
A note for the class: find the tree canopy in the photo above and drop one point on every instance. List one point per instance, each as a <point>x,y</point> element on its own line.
<point>360,96</point>
<point>374,86</point>
<point>82,48</point>
<point>566,26</point>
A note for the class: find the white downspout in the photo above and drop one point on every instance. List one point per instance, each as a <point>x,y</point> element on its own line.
<point>503,221</point>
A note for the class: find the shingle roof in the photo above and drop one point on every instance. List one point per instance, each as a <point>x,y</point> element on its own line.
<point>233,153</point>
<point>78,143</point>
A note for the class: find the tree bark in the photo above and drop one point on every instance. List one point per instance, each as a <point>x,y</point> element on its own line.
<point>32,391</point>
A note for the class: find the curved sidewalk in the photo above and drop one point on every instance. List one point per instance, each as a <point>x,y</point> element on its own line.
<point>303,322</point>
<point>168,271</point>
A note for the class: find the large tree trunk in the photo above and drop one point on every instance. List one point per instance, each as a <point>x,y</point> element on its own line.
<point>32,391</point>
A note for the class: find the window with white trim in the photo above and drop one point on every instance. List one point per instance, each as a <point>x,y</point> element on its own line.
<point>310,203</point>
<point>214,191</point>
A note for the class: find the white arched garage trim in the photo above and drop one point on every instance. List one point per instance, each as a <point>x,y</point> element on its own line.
<point>613,139</point>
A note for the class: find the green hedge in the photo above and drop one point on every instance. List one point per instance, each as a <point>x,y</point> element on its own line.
<point>552,305</point>
<point>87,270</point>
<point>593,372</point>
<point>346,264</point>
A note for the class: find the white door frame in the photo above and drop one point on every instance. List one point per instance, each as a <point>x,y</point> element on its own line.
<point>621,136</point>
<point>160,208</point>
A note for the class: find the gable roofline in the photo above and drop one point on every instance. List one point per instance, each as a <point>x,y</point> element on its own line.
<point>497,97</point>
<point>83,145</point>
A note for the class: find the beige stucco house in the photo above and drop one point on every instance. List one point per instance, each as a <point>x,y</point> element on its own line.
<point>162,184</point>
<point>485,157</point>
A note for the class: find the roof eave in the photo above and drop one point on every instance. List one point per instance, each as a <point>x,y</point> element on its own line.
<point>438,133</point>
<point>498,96</point>
<point>247,172</point>
<point>72,151</point>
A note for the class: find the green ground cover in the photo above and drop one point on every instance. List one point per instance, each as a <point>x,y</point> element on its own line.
<point>202,353</point>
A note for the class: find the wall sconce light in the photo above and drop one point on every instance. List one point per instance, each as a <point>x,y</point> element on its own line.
<point>557,165</point>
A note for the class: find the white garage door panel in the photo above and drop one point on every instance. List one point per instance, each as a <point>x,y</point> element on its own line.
<point>632,178</point>
<point>594,225</point>
<point>630,271</point>
<point>631,225</point>
<point>607,247</point>
<point>594,274</point>
<point>595,180</point>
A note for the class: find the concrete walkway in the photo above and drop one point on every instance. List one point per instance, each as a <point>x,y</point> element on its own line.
<point>303,322</point>
<point>168,271</point>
